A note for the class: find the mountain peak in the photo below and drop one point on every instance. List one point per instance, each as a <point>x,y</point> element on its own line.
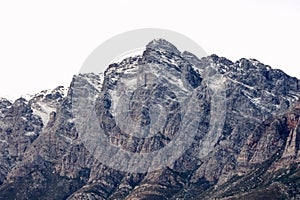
<point>222,130</point>
<point>162,45</point>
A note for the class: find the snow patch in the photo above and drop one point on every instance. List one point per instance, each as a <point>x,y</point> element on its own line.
<point>3,141</point>
<point>115,99</point>
<point>63,91</point>
<point>43,110</point>
<point>237,82</point>
<point>95,82</point>
<point>30,133</point>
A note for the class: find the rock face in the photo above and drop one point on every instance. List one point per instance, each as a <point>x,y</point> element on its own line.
<point>227,130</point>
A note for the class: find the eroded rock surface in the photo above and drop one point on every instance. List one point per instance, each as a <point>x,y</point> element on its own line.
<point>237,122</point>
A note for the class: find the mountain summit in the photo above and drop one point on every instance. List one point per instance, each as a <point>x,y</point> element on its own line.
<point>162,125</point>
<point>162,45</point>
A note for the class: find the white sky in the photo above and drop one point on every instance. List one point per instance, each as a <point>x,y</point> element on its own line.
<point>44,43</point>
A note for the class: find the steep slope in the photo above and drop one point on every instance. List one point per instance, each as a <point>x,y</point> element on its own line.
<point>278,176</point>
<point>236,125</point>
<point>22,122</point>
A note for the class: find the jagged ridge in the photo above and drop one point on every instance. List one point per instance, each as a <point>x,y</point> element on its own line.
<point>256,155</point>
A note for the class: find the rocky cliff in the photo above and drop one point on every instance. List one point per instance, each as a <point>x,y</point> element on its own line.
<point>163,125</point>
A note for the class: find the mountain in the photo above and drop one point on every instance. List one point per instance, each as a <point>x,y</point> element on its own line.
<point>163,125</point>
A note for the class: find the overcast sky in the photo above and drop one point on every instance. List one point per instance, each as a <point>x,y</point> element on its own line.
<point>44,43</point>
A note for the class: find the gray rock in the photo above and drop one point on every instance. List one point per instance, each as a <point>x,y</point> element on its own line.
<point>237,124</point>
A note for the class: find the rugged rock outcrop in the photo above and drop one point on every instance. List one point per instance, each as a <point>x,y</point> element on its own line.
<point>236,125</point>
